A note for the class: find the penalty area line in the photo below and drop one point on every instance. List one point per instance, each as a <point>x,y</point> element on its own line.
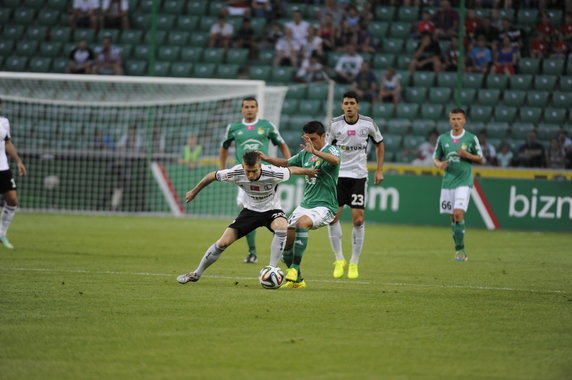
<point>403,284</point>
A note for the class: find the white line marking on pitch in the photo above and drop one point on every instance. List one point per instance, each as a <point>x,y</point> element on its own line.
<point>313,280</point>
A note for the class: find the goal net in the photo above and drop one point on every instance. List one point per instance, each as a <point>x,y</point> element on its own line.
<point>125,144</point>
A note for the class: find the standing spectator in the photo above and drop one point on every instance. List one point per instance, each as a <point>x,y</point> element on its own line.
<point>348,65</point>
<point>331,10</point>
<point>245,38</point>
<point>109,61</point>
<point>506,58</point>
<point>531,153</point>
<point>480,57</point>
<point>505,155</point>
<point>7,183</point>
<point>390,87</point>
<point>298,25</point>
<point>287,49</point>
<point>327,33</point>
<point>427,56</point>
<point>446,21</point>
<point>311,70</point>
<point>312,44</point>
<point>489,151</point>
<point>365,83</point>
<point>85,14</point>
<point>221,33</point>
<point>115,14</point>
<point>80,59</point>
<point>425,26</point>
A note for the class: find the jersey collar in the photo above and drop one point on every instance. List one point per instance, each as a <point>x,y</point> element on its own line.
<point>457,137</point>
<point>254,122</point>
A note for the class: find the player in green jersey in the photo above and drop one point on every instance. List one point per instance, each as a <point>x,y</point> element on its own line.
<point>319,202</point>
<point>455,153</point>
<point>250,134</point>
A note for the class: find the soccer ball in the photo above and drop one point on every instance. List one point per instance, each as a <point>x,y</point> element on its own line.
<point>271,277</point>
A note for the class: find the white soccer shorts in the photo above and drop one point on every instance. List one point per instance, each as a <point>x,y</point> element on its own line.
<point>320,216</point>
<point>454,199</point>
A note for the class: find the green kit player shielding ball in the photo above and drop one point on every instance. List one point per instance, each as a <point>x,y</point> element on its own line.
<point>319,203</point>
<point>250,134</point>
<point>455,153</point>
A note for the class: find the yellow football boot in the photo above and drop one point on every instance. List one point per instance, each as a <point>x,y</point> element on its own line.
<point>339,266</point>
<point>353,271</point>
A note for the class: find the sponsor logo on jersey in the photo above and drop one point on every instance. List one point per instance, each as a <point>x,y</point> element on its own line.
<point>250,127</point>
<point>251,144</point>
<point>268,187</point>
<point>352,147</point>
<point>363,132</point>
<point>456,141</point>
<point>351,132</point>
<point>464,146</point>
<point>254,188</point>
<point>260,131</point>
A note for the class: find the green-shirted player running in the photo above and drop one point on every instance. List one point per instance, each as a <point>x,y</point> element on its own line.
<point>455,153</point>
<point>250,134</point>
<point>319,203</point>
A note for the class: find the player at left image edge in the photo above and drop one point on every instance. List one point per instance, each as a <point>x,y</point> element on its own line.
<point>7,183</point>
<point>261,207</point>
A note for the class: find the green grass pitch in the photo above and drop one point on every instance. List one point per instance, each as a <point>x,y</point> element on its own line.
<point>95,297</point>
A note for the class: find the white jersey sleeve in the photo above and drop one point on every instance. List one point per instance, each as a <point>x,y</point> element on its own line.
<point>4,135</point>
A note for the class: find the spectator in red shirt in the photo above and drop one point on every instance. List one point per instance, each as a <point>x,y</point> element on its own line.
<point>446,20</point>
<point>544,25</point>
<point>472,23</point>
<point>566,28</point>
<point>425,25</point>
<point>559,49</point>
<point>538,46</point>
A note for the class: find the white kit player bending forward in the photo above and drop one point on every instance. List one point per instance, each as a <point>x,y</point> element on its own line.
<point>351,132</point>
<point>7,183</point>
<point>261,207</point>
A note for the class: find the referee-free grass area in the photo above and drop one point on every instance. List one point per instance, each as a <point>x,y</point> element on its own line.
<point>95,297</point>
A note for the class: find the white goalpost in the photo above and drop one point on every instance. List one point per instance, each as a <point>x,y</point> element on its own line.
<point>125,144</point>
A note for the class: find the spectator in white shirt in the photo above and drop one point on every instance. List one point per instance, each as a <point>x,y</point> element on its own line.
<point>115,14</point>
<point>221,33</point>
<point>85,14</point>
<point>312,44</point>
<point>348,65</point>
<point>287,49</point>
<point>299,26</point>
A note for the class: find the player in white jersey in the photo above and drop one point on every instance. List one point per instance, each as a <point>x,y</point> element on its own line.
<point>7,183</point>
<point>351,133</point>
<point>261,207</point>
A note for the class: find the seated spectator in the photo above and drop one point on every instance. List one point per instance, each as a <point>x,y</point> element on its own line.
<point>158,139</point>
<point>85,14</point>
<point>261,8</point>
<point>427,55</point>
<point>566,28</point>
<point>109,61</point>
<point>115,14</point>
<point>559,48</point>
<point>472,23</point>
<point>538,46</point>
<point>327,33</point>
<point>101,141</point>
<point>365,10</point>
<point>287,49</point>
<point>221,33</point>
<point>390,90</point>
<point>424,152</point>
<point>480,57</point>
<point>311,70</point>
<point>425,26</point>
<point>348,65</point>
<point>272,35</point>
<point>345,35</point>
<point>237,8</point>
<point>331,10</point>
<point>312,44</point>
<point>489,31</point>
<point>566,145</point>
<point>514,34</point>
<point>364,40</point>
<point>298,26</point>
<point>506,58</point>
<point>352,16</point>
<point>489,151</point>
<point>365,83</point>
<point>531,153</point>
<point>446,21</point>
<point>245,38</point>
<point>81,59</point>
<point>505,156</point>
<point>191,153</point>
<point>452,56</point>
<point>555,158</point>
<point>544,26</point>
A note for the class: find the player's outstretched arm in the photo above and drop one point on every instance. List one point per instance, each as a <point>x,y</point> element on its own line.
<point>301,171</point>
<point>207,179</point>
<point>11,150</point>
<point>273,160</point>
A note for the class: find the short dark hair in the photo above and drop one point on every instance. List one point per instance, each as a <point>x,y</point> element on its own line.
<point>458,110</point>
<point>352,95</point>
<point>251,158</point>
<point>314,126</point>
<point>248,98</point>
